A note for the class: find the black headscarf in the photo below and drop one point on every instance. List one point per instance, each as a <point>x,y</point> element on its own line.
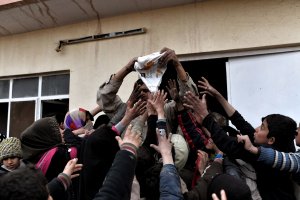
<point>39,137</point>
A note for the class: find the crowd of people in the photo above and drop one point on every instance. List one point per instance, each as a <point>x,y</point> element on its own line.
<point>157,145</point>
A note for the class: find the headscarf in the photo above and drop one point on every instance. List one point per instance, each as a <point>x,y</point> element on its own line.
<point>76,119</point>
<point>39,137</point>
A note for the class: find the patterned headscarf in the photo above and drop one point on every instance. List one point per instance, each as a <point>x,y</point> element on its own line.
<point>76,119</point>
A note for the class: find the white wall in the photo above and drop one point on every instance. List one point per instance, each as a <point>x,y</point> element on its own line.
<point>203,27</point>
<point>266,84</point>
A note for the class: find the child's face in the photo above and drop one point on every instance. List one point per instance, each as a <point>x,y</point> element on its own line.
<point>11,163</point>
<point>261,133</point>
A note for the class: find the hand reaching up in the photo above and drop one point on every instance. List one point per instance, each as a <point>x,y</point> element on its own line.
<point>164,146</point>
<point>135,94</point>
<point>223,196</point>
<point>169,56</point>
<point>158,101</point>
<point>172,89</point>
<point>208,89</point>
<point>197,105</point>
<point>247,143</point>
<point>131,138</point>
<point>130,65</point>
<point>72,167</point>
<point>134,110</point>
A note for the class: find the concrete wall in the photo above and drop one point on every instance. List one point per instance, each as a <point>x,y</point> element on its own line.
<point>213,25</point>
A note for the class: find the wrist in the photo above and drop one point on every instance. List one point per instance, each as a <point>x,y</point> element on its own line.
<point>125,121</point>
<point>129,147</point>
<point>167,158</point>
<point>254,150</point>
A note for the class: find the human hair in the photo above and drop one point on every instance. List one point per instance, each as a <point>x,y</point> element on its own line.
<point>23,184</point>
<point>283,129</point>
<point>137,83</point>
<point>220,119</point>
<point>236,189</point>
<point>101,120</point>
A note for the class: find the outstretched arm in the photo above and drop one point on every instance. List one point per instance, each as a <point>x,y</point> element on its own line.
<point>132,111</point>
<point>208,89</point>
<point>124,71</point>
<point>169,179</point>
<point>236,118</point>
<point>107,97</point>
<point>118,181</point>
<point>270,157</point>
<point>171,57</point>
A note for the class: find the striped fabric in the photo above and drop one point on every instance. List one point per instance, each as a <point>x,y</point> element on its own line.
<point>280,160</point>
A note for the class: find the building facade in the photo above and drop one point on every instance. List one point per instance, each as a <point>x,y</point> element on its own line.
<point>202,31</point>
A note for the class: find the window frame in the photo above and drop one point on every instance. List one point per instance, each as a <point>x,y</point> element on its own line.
<point>37,99</point>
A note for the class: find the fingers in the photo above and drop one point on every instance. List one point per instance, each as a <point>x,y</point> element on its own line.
<point>188,106</point>
<point>155,147</point>
<point>206,92</point>
<point>203,98</point>
<point>191,98</point>
<point>119,140</point>
<point>129,103</point>
<point>74,176</point>
<point>214,196</point>
<point>223,195</point>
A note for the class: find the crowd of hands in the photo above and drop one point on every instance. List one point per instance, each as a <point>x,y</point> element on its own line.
<point>155,105</point>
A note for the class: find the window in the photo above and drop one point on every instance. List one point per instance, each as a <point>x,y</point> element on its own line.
<point>24,100</point>
<point>4,89</point>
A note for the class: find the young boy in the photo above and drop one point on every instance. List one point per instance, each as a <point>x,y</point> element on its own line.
<point>10,155</point>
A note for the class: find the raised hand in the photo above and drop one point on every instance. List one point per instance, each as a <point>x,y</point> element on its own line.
<point>150,109</point>
<point>135,94</point>
<point>172,89</point>
<point>134,110</point>
<point>169,56</point>
<point>130,65</point>
<point>223,196</point>
<point>247,143</point>
<point>208,89</point>
<point>130,137</point>
<point>72,167</point>
<point>164,146</point>
<point>158,102</point>
<point>197,105</point>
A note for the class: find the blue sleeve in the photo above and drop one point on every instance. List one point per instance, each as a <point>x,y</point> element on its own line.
<point>169,186</point>
<point>280,160</point>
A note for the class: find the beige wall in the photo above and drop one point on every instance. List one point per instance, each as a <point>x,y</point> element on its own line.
<point>213,25</point>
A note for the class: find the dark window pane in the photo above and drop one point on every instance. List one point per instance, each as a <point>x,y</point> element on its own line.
<point>3,118</point>
<point>55,85</point>
<point>55,107</point>
<point>26,87</point>
<point>4,89</point>
<point>21,116</point>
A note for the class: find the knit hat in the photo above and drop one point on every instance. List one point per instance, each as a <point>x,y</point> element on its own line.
<point>236,189</point>
<point>10,147</point>
<point>76,119</point>
<point>181,150</point>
